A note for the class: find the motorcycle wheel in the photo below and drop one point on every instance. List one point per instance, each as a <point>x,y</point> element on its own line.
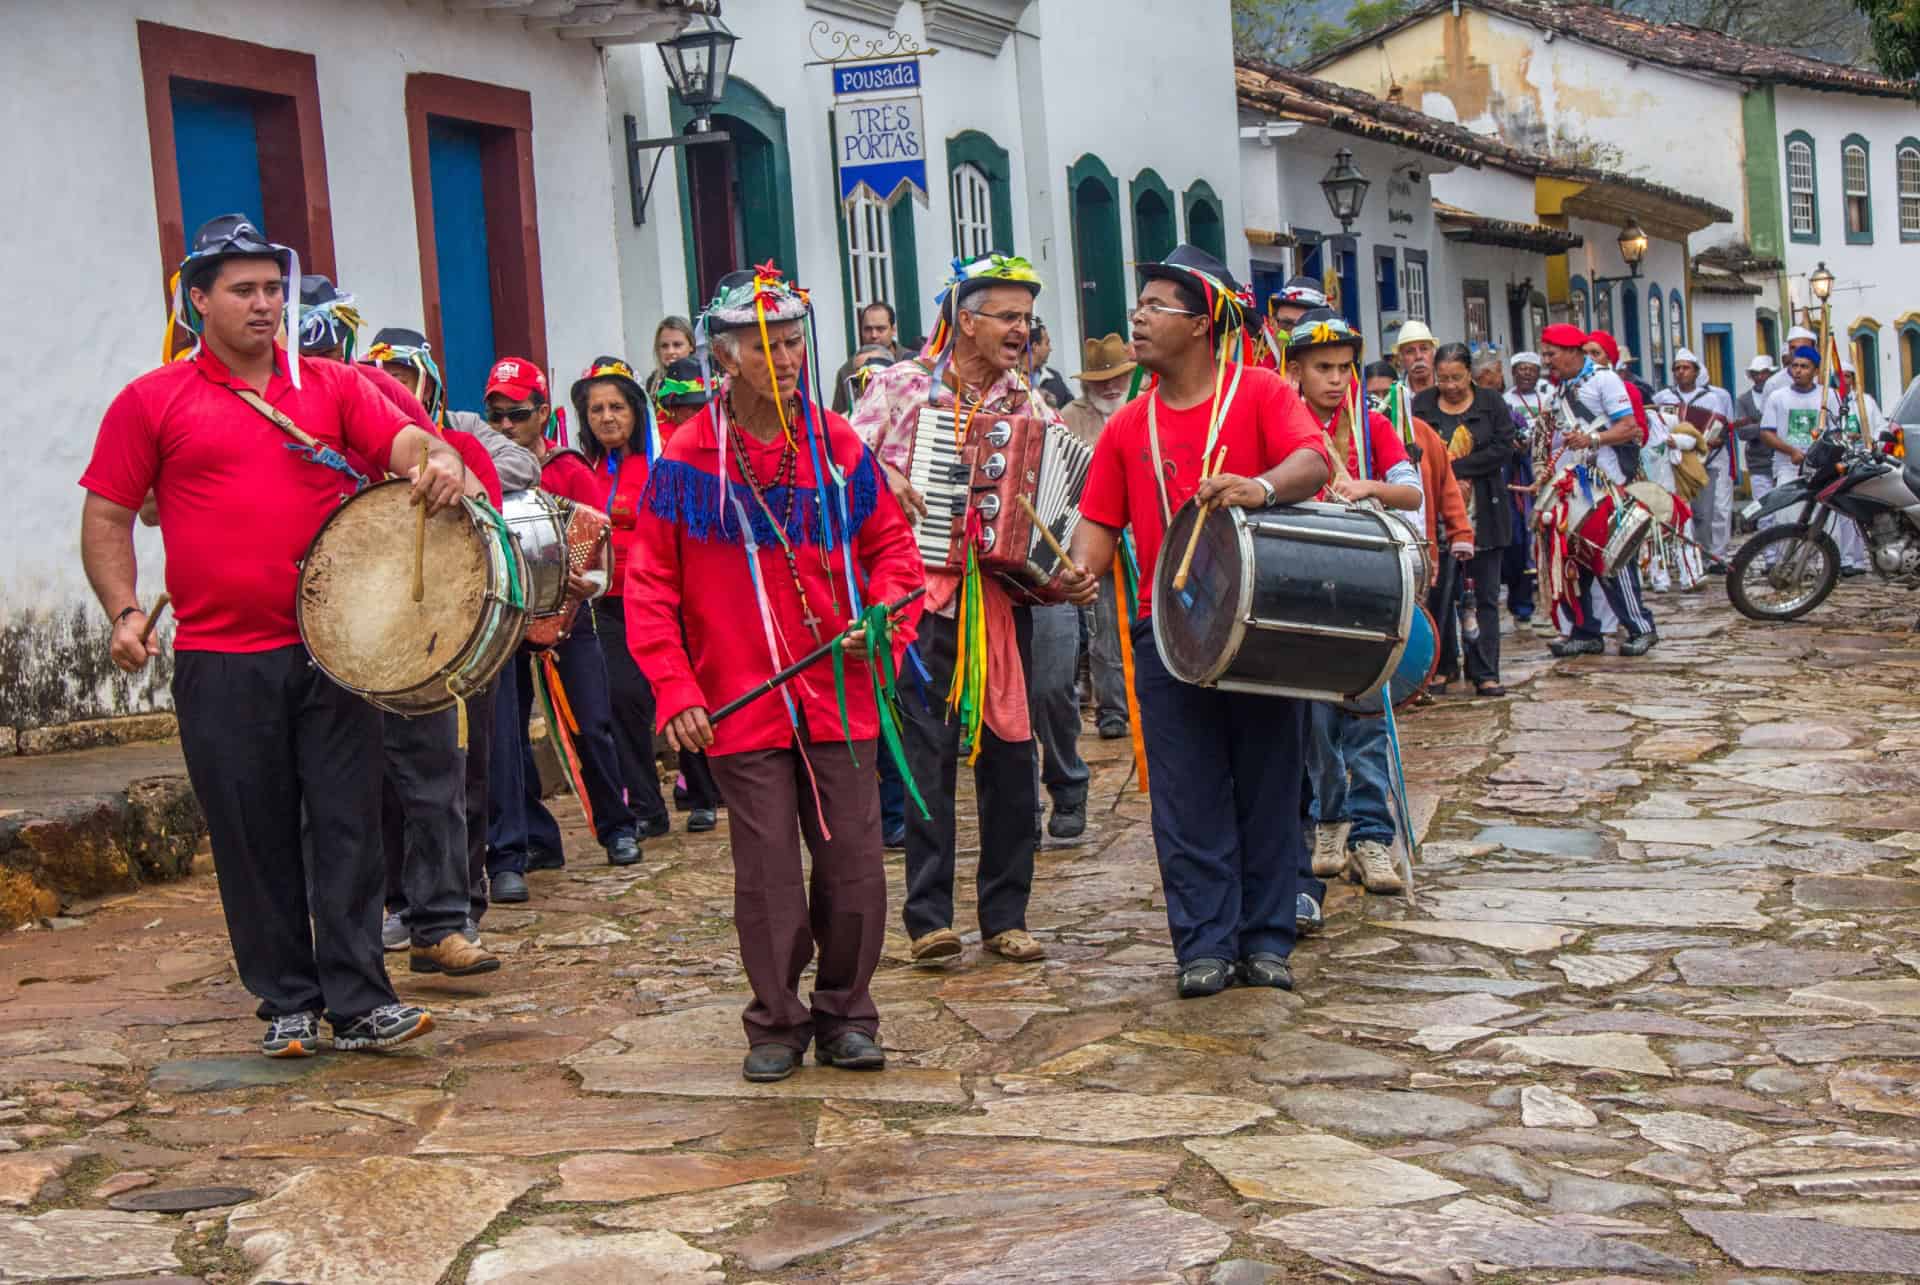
<point>1783,573</point>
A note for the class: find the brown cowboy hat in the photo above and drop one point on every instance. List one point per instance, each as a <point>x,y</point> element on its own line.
<point>1106,358</point>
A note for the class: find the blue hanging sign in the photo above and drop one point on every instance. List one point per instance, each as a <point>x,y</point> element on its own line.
<point>877,77</point>
<point>881,143</point>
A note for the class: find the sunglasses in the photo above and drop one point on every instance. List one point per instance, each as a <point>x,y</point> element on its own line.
<point>519,415</point>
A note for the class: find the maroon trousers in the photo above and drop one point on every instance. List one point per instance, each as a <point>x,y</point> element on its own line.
<point>781,916</point>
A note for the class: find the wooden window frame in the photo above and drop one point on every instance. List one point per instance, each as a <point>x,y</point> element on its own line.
<point>295,209</point>
<point>1409,260</point>
<point>1865,235</point>
<point>513,222</point>
<point>1800,137</point>
<point>1907,196</point>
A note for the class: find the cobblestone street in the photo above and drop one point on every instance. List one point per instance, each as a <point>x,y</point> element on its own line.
<point>1654,1013</point>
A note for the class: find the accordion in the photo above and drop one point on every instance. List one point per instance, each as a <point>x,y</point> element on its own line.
<point>1004,458</point>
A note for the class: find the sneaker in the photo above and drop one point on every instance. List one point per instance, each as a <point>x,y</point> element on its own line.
<point>1639,644</point>
<point>393,933</point>
<point>623,850</point>
<point>1330,848</point>
<point>454,956</point>
<point>1068,822</point>
<point>1204,977</point>
<point>295,1035</point>
<point>1112,729</point>
<point>1370,865</point>
<point>655,828</point>
<point>1263,968</point>
<point>1016,944</point>
<point>701,820</point>
<point>1308,918</point>
<point>384,1027</point>
<point>1564,647</point>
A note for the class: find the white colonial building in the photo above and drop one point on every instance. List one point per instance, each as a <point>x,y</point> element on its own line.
<point>1818,163</point>
<point>1485,242</point>
<point>463,167</point>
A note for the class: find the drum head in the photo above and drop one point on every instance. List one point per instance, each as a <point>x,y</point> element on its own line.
<point>1418,661</point>
<point>1198,629</point>
<point>356,609</point>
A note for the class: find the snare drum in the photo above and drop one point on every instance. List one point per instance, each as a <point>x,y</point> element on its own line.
<point>357,616</point>
<point>558,537</point>
<point>1609,536</point>
<point>1309,600</point>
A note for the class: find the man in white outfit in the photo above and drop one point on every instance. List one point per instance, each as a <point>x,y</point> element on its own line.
<point>1713,506</point>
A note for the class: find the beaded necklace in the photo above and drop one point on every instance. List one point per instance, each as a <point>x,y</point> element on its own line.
<point>786,474</point>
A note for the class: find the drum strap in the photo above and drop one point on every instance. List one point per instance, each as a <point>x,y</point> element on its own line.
<point>1219,416</point>
<point>304,444</point>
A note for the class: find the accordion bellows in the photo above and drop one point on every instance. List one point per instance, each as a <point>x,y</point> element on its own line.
<point>1003,458</point>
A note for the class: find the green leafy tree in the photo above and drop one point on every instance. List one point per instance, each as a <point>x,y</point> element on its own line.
<point>1364,16</point>
<point>1894,26</point>
<point>1268,30</point>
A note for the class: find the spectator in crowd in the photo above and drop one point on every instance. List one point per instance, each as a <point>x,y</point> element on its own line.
<point>672,339</point>
<point>879,332</point>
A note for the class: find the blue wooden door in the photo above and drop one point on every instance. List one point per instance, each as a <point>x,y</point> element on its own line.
<point>216,151</point>
<point>460,250</point>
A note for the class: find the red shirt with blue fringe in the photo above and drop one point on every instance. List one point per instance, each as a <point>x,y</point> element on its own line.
<point>694,620</point>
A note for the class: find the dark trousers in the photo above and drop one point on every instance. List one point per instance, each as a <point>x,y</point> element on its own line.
<point>1052,704</point>
<point>268,737</point>
<point>423,824</point>
<point>1516,569</point>
<point>1006,794</point>
<point>781,915</point>
<point>1622,592</point>
<point>893,795</point>
<point>525,826</point>
<point>1223,772</point>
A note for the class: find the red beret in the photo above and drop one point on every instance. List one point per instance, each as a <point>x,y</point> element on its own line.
<point>1564,335</point>
<point>1608,345</point>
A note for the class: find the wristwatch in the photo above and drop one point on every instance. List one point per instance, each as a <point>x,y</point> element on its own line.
<point>1273,496</point>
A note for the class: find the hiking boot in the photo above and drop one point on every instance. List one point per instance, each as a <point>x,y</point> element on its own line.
<point>1330,848</point>
<point>936,948</point>
<point>384,1027</point>
<point>452,955</point>
<point>1564,647</point>
<point>393,933</point>
<point>1370,865</point>
<point>1112,729</point>
<point>295,1035</point>
<point>1016,944</point>
<point>1639,644</point>
<point>1068,822</point>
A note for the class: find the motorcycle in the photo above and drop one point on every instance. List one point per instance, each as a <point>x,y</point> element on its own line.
<point>1789,568</point>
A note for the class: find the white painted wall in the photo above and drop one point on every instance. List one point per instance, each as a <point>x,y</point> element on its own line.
<point>82,233</point>
<point>1880,280</point>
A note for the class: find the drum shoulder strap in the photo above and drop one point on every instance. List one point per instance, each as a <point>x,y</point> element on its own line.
<point>277,417</point>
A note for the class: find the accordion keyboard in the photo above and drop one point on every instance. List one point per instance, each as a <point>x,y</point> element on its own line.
<point>941,476</point>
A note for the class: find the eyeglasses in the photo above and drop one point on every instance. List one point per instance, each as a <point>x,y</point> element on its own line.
<point>1026,319</point>
<point>1144,306</point>
<point>519,415</point>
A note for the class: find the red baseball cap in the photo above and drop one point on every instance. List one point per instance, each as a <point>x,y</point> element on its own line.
<point>1608,345</point>
<point>517,379</point>
<point>1563,335</point>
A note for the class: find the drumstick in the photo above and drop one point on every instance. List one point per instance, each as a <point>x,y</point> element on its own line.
<point>1207,470</point>
<point>1047,535</point>
<point>153,617</point>
<point>420,541</point>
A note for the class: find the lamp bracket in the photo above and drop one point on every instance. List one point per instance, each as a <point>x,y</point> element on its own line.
<point>641,189</point>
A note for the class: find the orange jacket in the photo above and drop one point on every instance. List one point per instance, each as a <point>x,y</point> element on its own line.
<point>1446,510</point>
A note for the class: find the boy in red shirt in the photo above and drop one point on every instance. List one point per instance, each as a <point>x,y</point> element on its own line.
<point>1223,768</point>
<point>1347,757</point>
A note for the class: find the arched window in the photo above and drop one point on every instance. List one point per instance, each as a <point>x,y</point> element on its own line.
<point>1677,309</point>
<point>1655,366</point>
<point>1580,303</point>
<point>979,194</point>
<point>1803,195</point>
<point>1154,231</point>
<point>1205,227</point>
<point>1856,188</point>
<point>869,249</point>
<point>1906,164</point>
<point>1602,309</point>
<point>1865,334</point>
<point>972,212</point>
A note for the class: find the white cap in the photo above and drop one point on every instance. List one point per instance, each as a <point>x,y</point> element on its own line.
<point>1524,359</point>
<point>1760,363</point>
<point>1846,363</point>
<point>1687,355</point>
<point>1799,332</point>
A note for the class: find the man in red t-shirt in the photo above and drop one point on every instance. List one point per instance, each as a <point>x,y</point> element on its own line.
<point>1224,769</point>
<point>523,835</point>
<point>1348,758</point>
<point>266,735</point>
<point>423,799</point>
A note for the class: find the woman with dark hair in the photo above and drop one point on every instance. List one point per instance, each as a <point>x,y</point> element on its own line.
<point>672,340</point>
<point>619,438</point>
<point>1477,425</point>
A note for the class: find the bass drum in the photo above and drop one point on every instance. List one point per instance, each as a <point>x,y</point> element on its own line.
<point>1313,600</point>
<point>1411,676</point>
<point>357,615</point>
